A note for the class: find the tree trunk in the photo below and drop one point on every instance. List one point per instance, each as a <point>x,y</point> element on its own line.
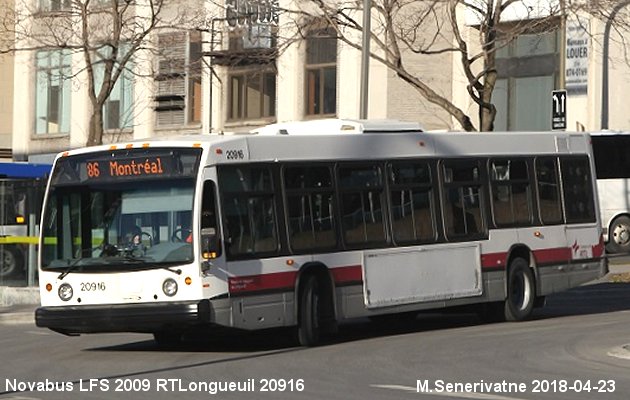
<point>95,134</point>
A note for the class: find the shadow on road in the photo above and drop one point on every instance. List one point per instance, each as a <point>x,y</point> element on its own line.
<point>590,299</point>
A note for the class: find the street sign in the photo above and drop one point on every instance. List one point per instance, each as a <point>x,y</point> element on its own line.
<point>559,110</point>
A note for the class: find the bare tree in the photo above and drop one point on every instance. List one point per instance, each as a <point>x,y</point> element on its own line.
<point>471,30</point>
<point>109,34</point>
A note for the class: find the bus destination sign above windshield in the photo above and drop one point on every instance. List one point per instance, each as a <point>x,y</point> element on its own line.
<point>128,166</point>
<point>112,169</point>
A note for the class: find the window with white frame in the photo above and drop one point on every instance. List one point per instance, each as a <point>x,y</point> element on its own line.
<point>321,72</point>
<point>179,79</point>
<point>528,70</point>
<point>52,96</point>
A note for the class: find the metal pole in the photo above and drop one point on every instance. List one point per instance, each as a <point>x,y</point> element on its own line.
<point>32,254</point>
<point>605,50</point>
<point>365,58</point>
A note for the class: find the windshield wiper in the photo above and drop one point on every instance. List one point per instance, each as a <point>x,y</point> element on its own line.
<point>71,267</point>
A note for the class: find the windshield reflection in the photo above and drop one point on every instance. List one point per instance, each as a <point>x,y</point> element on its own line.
<point>125,225</point>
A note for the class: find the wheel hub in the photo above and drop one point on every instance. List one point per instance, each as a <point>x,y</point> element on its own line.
<point>621,234</point>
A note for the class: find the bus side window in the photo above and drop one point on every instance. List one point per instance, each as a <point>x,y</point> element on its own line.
<point>211,245</point>
<point>548,190</point>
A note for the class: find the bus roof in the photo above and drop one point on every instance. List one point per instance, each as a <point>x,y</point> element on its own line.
<point>337,139</point>
<point>610,133</point>
<point>24,170</point>
<point>332,126</point>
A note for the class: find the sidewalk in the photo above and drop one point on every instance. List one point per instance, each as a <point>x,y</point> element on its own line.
<point>17,305</point>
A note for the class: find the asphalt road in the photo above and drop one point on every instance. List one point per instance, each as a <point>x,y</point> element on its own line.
<point>572,349</point>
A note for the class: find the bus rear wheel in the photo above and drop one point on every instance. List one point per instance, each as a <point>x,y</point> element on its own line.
<point>619,235</point>
<point>521,291</point>
<point>309,321</point>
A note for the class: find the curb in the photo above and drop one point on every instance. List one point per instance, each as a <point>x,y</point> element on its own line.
<point>18,296</point>
<point>17,318</point>
<point>621,352</point>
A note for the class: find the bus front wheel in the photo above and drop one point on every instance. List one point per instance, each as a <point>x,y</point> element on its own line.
<point>521,291</point>
<point>619,235</point>
<point>309,320</point>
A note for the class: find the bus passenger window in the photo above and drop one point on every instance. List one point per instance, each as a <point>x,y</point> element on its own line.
<point>249,210</point>
<point>463,199</point>
<point>411,203</point>
<point>362,203</point>
<point>310,207</point>
<point>578,189</point>
<point>548,191</point>
<point>511,205</point>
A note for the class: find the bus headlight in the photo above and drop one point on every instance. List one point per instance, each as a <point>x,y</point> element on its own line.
<point>169,287</point>
<point>65,292</point>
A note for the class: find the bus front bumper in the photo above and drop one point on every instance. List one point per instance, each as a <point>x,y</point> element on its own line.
<point>144,318</point>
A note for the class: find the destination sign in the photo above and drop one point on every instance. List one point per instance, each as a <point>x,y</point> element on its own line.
<point>127,168</point>
<point>126,165</point>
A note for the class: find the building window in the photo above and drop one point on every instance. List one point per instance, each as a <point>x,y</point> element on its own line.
<point>527,69</point>
<point>53,92</point>
<point>252,95</point>
<point>321,73</point>
<point>55,5</point>
<point>179,79</point>
<point>118,108</point>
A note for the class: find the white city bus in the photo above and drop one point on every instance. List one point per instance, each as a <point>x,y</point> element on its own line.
<point>612,163</point>
<point>309,224</point>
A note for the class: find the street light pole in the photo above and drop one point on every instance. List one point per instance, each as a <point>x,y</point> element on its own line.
<point>605,51</point>
<point>365,59</point>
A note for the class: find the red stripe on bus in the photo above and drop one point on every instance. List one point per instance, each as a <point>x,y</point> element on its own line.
<point>544,256</point>
<point>253,283</point>
<point>286,280</point>
<point>598,249</point>
<point>354,273</point>
<point>349,274</point>
<point>547,256</point>
<point>493,260</point>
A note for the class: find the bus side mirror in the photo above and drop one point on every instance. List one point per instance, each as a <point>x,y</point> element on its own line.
<point>210,245</point>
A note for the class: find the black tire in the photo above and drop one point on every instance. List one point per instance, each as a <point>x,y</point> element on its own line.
<point>10,262</point>
<point>167,339</point>
<point>521,291</point>
<point>491,312</point>
<point>309,317</point>
<point>619,235</point>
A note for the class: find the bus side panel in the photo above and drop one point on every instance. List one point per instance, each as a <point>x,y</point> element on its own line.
<point>613,200</point>
<point>351,301</point>
<point>402,276</point>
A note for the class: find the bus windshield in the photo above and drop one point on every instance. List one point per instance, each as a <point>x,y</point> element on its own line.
<point>119,222</point>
